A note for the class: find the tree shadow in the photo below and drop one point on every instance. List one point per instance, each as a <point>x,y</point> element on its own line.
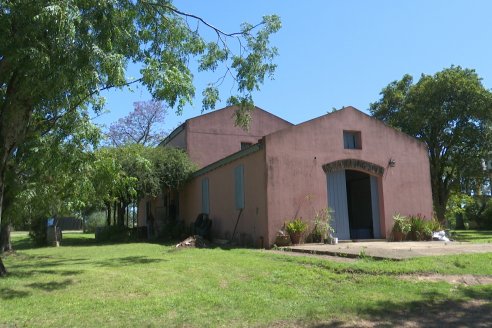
<point>129,260</point>
<point>31,273</point>
<point>48,262</point>
<point>52,285</point>
<point>432,311</point>
<point>76,242</point>
<point>465,235</point>
<point>27,266</point>
<point>23,244</point>
<point>9,294</point>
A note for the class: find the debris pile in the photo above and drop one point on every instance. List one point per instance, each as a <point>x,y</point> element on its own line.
<point>440,236</point>
<point>193,241</point>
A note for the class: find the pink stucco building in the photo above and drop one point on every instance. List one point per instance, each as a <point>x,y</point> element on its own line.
<point>363,170</point>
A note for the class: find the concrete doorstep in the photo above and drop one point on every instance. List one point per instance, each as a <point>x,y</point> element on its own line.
<point>397,251</point>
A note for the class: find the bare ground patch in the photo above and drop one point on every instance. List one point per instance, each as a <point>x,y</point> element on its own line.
<point>465,279</point>
<point>318,256</point>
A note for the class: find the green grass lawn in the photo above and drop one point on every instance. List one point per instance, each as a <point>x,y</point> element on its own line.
<point>82,284</point>
<point>474,236</point>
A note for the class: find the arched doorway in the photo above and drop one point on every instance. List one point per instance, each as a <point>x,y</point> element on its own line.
<point>353,197</point>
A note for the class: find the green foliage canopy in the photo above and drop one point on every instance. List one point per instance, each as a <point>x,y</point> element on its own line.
<point>451,112</point>
<point>57,56</point>
<point>49,174</point>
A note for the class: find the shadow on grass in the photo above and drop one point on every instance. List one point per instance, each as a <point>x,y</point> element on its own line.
<point>45,261</point>
<point>32,273</point>
<point>431,311</point>
<point>24,243</point>
<point>77,241</point>
<point>466,235</point>
<point>9,294</point>
<point>129,260</point>
<point>52,285</point>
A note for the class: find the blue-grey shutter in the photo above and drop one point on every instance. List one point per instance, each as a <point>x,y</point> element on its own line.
<point>337,201</point>
<point>376,220</point>
<point>348,140</point>
<point>239,186</point>
<point>205,197</point>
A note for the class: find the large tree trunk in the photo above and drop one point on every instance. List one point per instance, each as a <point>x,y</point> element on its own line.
<point>3,164</point>
<point>440,197</point>
<point>108,218</point>
<point>5,242</point>
<point>3,270</point>
<point>121,214</point>
<point>15,113</point>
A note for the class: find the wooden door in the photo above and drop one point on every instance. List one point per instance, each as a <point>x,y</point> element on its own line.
<point>337,201</point>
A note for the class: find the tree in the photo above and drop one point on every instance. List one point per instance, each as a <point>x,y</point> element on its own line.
<point>48,175</point>
<point>57,56</point>
<point>451,112</point>
<point>127,174</point>
<point>140,126</point>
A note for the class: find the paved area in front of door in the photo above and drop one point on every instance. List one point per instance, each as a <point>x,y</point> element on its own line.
<point>392,250</point>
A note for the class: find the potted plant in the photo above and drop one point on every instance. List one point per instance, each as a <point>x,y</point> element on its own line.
<point>283,238</point>
<point>295,229</point>
<point>322,230</point>
<point>401,228</point>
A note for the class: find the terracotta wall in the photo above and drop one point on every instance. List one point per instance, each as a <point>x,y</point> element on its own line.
<point>179,141</point>
<point>157,209</point>
<point>252,224</point>
<point>296,182</point>
<point>213,136</point>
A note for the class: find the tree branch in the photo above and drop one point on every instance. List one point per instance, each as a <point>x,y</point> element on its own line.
<point>216,29</point>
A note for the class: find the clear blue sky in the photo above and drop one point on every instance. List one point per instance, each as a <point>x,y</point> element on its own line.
<point>340,53</point>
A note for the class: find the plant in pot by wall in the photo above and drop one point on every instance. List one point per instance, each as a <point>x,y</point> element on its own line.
<point>296,229</point>
<point>401,227</point>
<point>322,226</point>
<point>282,238</point>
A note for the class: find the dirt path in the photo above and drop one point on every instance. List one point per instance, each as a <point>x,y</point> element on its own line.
<point>323,257</point>
<point>465,279</point>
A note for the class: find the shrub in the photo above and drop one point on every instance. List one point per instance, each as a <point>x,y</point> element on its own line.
<point>413,228</point>
<point>434,225</point>
<point>93,221</point>
<point>420,229</point>
<point>401,228</point>
<point>485,220</point>
<point>296,226</point>
<point>37,231</point>
<point>322,225</point>
<point>478,213</point>
<point>114,234</point>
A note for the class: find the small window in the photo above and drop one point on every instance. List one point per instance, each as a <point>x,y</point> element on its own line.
<point>352,140</point>
<point>239,186</point>
<point>245,145</point>
<point>205,197</point>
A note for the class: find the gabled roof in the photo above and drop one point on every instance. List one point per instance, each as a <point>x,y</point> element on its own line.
<point>210,115</point>
<point>363,116</point>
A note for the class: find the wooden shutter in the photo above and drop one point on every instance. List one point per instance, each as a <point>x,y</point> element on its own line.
<point>376,219</point>
<point>239,186</point>
<point>337,201</point>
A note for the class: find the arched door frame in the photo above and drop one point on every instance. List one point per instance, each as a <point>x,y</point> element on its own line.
<point>337,193</point>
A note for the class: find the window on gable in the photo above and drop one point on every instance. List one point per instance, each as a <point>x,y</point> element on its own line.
<point>245,145</point>
<point>352,140</point>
